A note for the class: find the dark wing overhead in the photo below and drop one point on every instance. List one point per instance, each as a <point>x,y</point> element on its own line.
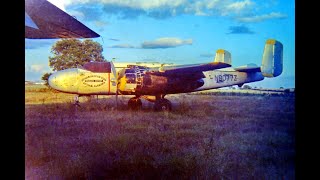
<point>43,20</point>
<point>186,70</point>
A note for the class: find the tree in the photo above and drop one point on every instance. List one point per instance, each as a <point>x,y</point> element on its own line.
<point>70,53</point>
<point>45,78</point>
<point>246,87</point>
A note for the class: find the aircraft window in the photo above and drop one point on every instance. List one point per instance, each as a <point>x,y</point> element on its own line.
<point>131,78</point>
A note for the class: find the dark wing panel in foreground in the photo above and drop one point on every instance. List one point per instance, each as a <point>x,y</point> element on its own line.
<point>43,20</point>
<point>188,69</point>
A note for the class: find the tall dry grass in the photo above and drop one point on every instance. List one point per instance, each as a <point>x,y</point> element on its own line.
<point>204,137</point>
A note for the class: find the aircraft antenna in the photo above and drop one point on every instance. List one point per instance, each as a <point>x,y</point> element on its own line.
<point>117,75</point>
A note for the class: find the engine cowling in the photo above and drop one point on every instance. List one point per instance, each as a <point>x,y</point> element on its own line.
<point>139,80</point>
<point>130,79</point>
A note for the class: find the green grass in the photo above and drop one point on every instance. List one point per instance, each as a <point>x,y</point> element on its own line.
<point>204,137</point>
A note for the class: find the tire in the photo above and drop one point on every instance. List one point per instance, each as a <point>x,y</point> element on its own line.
<point>134,104</point>
<point>162,105</point>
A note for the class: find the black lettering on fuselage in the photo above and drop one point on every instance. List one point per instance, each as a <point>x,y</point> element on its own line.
<point>96,82</point>
<point>225,78</point>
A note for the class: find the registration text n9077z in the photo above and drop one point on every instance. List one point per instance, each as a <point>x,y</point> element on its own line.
<point>225,77</point>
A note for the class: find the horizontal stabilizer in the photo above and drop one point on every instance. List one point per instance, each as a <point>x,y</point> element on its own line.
<point>248,68</point>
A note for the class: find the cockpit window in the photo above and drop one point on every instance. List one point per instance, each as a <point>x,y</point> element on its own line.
<point>131,78</point>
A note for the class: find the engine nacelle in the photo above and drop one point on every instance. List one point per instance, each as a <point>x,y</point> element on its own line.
<point>130,79</point>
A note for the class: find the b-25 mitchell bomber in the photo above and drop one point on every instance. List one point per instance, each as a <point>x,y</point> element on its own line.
<point>154,83</point>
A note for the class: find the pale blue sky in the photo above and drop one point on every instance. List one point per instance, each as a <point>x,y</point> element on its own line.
<point>180,31</point>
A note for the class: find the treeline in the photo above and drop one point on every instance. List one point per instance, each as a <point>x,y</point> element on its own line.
<point>224,93</point>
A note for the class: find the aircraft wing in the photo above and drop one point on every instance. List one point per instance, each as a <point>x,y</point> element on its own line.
<point>185,70</point>
<point>43,20</point>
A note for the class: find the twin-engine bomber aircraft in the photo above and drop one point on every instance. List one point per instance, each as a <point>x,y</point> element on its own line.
<point>101,78</point>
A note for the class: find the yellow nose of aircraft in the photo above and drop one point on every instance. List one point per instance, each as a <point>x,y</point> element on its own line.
<point>65,80</point>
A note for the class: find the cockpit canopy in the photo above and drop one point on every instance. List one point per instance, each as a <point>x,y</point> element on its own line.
<point>130,76</point>
<point>98,67</point>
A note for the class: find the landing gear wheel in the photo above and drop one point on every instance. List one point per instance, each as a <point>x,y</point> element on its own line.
<point>162,105</point>
<point>135,104</point>
<point>76,101</point>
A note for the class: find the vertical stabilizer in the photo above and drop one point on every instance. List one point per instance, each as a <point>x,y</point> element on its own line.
<point>223,56</point>
<point>272,60</point>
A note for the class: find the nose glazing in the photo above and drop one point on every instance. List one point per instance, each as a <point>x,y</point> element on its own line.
<point>65,81</point>
<point>52,81</point>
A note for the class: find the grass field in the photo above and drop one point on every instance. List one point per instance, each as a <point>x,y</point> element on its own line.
<point>204,137</point>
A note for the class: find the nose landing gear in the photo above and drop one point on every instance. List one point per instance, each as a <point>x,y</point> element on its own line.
<point>76,100</point>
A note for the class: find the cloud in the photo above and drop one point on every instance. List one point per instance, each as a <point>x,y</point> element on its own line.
<point>240,30</point>
<point>38,43</point>
<point>77,14</point>
<point>159,9</point>
<point>113,39</point>
<point>92,12</point>
<point>100,23</point>
<point>239,6</point>
<point>60,4</point>
<point>259,18</point>
<point>122,12</point>
<point>207,55</point>
<point>122,46</point>
<point>37,68</point>
<point>165,42</point>
<point>238,10</point>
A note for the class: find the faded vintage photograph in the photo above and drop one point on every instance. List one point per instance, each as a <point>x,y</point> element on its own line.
<point>160,89</point>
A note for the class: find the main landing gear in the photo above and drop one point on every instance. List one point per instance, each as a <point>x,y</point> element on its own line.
<point>135,103</point>
<point>160,103</point>
<point>76,100</point>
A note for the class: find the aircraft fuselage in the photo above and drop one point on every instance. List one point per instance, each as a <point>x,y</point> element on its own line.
<point>84,82</point>
<point>223,78</point>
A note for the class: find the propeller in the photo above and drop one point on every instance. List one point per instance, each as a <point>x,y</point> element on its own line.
<point>116,76</point>
<point>117,95</point>
<point>117,89</point>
